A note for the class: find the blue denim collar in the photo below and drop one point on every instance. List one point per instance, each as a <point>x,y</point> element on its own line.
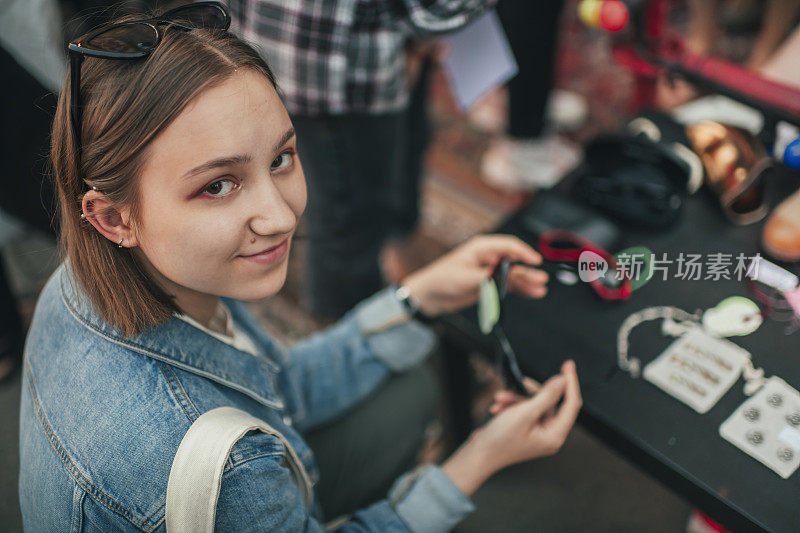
<point>186,347</point>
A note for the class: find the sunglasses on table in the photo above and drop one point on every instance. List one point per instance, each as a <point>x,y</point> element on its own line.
<point>556,247</point>
<point>134,40</point>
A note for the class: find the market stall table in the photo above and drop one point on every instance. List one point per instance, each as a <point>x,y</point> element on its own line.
<point>678,446</point>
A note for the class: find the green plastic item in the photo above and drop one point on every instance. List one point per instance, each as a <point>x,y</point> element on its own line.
<point>733,316</point>
<point>643,257</point>
<point>488,306</point>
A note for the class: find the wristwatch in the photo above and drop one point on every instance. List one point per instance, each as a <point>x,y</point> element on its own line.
<point>409,303</point>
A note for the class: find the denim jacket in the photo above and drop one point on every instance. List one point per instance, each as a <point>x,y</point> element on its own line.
<point>102,416</point>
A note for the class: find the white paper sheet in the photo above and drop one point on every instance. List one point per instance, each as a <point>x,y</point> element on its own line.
<point>479,59</point>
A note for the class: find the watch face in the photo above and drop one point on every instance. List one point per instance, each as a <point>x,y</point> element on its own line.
<point>402,293</point>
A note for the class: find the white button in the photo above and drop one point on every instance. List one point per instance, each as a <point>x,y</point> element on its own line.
<point>287,420</point>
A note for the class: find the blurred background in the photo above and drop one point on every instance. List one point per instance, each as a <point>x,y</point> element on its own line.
<point>479,151</point>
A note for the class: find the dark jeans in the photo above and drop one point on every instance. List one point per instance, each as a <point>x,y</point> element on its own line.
<point>27,114</point>
<point>532,30</point>
<point>28,110</point>
<point>363,453</point>
<point>10,321</point>
<point>363,173</point>
<point>406,197</point>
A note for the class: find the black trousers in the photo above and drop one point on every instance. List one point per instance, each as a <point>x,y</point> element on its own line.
<point>363,174</point>
<point>27,116</point>
<point>28,110</point>
<point>363,453</point>
<point>532,30</point>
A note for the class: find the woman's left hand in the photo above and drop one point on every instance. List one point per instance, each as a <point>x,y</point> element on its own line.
<point>452,282</point>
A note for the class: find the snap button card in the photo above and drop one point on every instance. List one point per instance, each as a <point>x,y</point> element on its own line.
<point>767,427</point>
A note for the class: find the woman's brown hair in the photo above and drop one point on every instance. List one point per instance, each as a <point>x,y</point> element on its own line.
<point>126,103</point>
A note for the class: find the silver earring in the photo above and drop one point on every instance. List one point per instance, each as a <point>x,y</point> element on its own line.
<point>94,188</point>
<point>120,243</point>
<point>83,216</point>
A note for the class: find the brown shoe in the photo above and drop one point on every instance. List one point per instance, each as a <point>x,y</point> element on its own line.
<point>736,164</point>
<point>781,237</point>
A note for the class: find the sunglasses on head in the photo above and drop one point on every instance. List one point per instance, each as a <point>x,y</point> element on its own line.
<point>133,40</point>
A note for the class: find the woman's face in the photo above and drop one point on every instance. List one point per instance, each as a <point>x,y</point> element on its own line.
<point>221,194</point>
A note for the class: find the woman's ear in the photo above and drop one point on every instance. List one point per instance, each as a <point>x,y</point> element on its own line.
<point>111,221</point>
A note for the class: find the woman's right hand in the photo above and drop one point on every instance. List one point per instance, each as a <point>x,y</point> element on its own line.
<point>533,427</point>
<point>522,430</point>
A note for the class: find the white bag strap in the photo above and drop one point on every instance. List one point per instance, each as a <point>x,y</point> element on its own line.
<point>196,473</point>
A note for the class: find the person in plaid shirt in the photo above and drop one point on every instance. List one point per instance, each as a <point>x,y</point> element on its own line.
<point>341,71</point>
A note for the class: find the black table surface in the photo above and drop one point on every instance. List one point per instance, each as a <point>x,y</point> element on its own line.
<point>677,445</point>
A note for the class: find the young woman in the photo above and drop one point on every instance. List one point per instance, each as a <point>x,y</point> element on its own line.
<point>180,191</point>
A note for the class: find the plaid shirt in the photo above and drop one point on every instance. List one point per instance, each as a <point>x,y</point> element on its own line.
<point>344,56</point>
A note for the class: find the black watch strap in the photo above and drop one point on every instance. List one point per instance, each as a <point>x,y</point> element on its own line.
<point>404,296</point>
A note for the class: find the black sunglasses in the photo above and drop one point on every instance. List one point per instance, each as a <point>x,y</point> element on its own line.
<point>490,318</point>
<point>134,40</point>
